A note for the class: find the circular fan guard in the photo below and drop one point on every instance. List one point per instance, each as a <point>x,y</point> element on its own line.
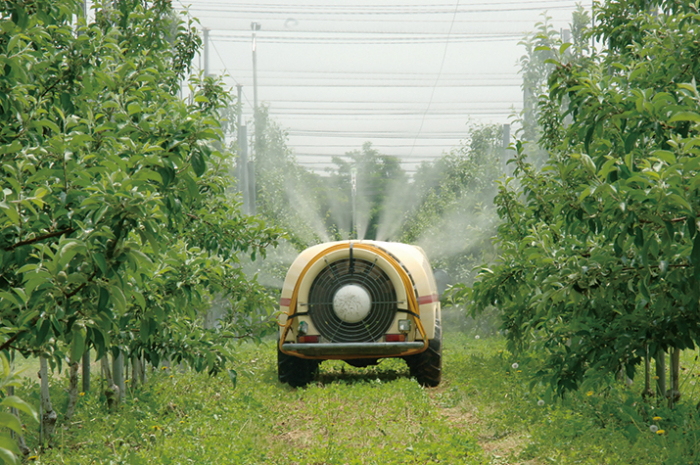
<point>362,273</point>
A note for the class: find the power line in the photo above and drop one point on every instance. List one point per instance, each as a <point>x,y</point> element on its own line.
<point>337,10</point>
<point>364,7</point>
<point>228,73</point>
<point>369,41</point>
<point>377,146</point>
<point>388,117</point>
<point>403,104</point>
<point>378,74</point>
<point>355,84</point>
<point>323,34</point>
<point>400,157</point>
<point>422,21</point>
<point>384,82</point>
<point>375,134</point>
<point>437,79</point>
<point>352,112</point>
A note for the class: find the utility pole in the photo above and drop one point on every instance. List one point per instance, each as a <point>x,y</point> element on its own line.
<point>256,110</point>
<point>242,150</point>
<point>566,36</point>
<point>242,154</point>
<point>252,209</point>
<point>259,129</point>
<point>243,167</point>
<point>206,52</point>
<point>506,143</point>
<point>255,27</point>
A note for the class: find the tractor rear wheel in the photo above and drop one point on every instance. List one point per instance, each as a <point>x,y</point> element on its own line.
<point>426,366</point>
<point>295,371</point>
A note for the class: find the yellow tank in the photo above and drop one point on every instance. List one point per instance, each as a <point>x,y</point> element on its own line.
<point>359,301</point>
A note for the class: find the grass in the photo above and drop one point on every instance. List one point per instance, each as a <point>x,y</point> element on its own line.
<point>483,413</point>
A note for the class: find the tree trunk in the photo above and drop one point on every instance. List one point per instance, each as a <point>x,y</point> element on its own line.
<point>86,371</point>
<point>118,372</point>
<point>134,372</point>
<point>144,364</point>
<point>49,415</point>
<point>661,372</point>
<point>674,394</point>
<point>106,370</point>
<point>72,390</point>
<point>138,371</point>
<point>111,390</point>
<point>647,392</point>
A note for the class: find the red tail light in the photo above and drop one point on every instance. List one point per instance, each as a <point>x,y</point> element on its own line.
<point>308,339</point>
<point>395,338</point>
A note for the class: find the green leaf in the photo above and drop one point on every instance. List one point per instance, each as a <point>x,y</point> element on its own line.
<point>4,295</point>
<point>589,137</point>
<point>145,331</point>
<point>67,250</point>
<point>49,124</point>
<point>638,237</point>
<point>679,201</point>
<point>151,240</point>
<point>692,225</point>
<point>585,193</point>
<point>118,298</point>
<point>564,47</point>
<point>670,230</point>
<point>685,116</point>
<point>133,108</point>
<point>139,298</point>
<point>630,141</point>
<point>21,294</point>
<point>607,167</point>
<point>233,376</point>
<point>29,267</point>
<point>643,289</point>
<point>43,331</point>
<point>15,146</point>
<point>198,163</point>
<point>588,163</point>
<point>22,406</point>
<point>665,155</point>
<point>7,455</point>
<point>10,421</point>
<point>10,211</point>
<point>695,254</point>
<point>78,343</point>
<point>103,301</point>
<point>101,262</point>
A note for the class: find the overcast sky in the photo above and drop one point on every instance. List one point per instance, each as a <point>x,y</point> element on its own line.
<point>406,75</point>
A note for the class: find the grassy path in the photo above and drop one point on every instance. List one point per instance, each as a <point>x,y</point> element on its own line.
<point>481,414</point>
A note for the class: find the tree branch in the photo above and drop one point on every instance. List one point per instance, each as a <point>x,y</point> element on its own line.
<point>79,288</point>
<point>39,238</point>
<point>5,345</point>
